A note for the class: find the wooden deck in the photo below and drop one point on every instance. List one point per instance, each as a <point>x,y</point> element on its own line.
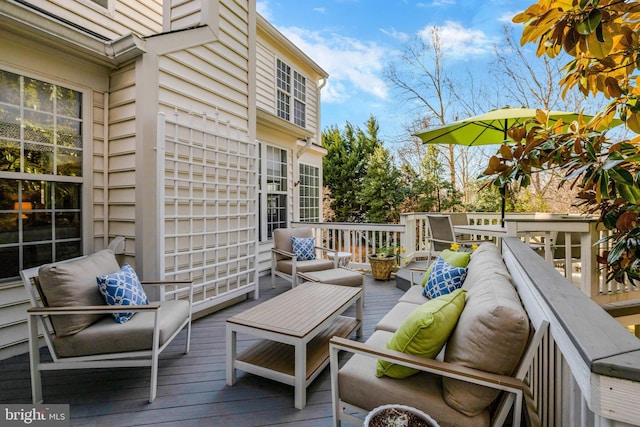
<point>191,387</point>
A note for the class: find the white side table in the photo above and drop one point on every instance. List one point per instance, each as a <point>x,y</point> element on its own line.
<point>343,258</point>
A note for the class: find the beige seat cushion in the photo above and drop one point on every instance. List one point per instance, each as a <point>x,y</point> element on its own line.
<point>394,318</point>
<point>286,266</point>
<point>359,386</point>
<point>70,284</point>
<point>414,295</point>
<point>491,335</point>
<point>337,276</point>
<point>107,336</point>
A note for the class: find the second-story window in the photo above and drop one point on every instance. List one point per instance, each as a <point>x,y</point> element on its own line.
<point>287,92</point>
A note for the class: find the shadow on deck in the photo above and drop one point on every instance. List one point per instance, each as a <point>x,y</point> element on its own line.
<point>191,387</point>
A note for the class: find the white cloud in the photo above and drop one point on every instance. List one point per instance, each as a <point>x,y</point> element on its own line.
<point>349,62</point>
<point>395,34</point>
<point>321,10</point>
<point>262,7</point>
<point>457,41</point>
<point>507,17</point>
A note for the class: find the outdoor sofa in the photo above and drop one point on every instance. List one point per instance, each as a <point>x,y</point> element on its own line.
<point>485,354</point>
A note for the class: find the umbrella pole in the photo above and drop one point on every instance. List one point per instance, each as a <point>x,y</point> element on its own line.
<point>503,196</point>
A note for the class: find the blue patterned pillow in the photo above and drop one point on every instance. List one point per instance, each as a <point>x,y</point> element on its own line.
<point>443,279</point>
<point>122,288</point>
<point>304,248</point>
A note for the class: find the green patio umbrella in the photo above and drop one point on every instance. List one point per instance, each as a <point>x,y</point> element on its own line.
<point>490,128</point>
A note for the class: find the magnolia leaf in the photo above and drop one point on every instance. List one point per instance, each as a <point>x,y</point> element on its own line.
<point>629,193</point>
<point>621,175</point>
<point>590,23</point>
<point>600,48</point>
<point>610,163</point>
<point>541,116</point>
<point>505,152</point>
<point>617,250</point>
<point>633,122</point>
<point>626,221</point>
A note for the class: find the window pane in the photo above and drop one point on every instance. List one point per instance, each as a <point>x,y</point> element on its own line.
<point>9,155</point>
<point>38,127</point>
<point>69,162</point>
<point>67,196</point>
<point>10,84</point>
<point>68,132</point>
<point>35,255</point>
<point>38,95</point>
<point>9,121</point>
<point>10,262</point>
<point>66,250</point>
<point>276,213</point>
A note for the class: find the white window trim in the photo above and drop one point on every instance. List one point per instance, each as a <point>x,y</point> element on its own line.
<point>264,193</point>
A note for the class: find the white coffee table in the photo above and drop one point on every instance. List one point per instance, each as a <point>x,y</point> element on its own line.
<point>295,328</point>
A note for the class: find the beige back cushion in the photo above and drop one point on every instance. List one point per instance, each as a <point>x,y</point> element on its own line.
<point>69,284</point>
<point>282,237</point>
<point>491,336</point>
<point>485,261</point>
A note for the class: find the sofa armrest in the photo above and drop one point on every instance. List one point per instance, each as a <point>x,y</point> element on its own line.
<point>500,382</point>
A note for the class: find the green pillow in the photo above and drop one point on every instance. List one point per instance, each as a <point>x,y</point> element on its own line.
<point>424,332</point>
<point>456,259</point>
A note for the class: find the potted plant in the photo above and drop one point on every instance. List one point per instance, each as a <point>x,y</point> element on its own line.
<point>398,416</point>
<point>384,260</point>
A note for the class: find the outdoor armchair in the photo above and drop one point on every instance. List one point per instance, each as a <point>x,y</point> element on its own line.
<point>79,329</point>
<point>285,263</point>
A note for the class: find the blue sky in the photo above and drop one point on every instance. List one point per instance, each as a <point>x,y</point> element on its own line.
<point>354,40</point>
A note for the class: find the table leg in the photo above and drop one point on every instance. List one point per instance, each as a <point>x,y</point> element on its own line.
<point>231,355</point>
<point>359,306</point>
<point>300,387</point>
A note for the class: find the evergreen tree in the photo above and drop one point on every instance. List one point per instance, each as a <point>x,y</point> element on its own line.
<point>345,166</point>
<point>382,191</point>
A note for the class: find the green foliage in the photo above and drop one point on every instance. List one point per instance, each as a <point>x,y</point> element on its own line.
<point>601,36</point>
<point>382,191</point>
<point>345,166</point>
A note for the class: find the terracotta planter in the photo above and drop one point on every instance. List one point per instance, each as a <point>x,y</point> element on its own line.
<point>381,267</point>
<point>398,416</point>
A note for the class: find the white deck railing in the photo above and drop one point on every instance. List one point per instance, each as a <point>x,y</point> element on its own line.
<point>565,241</point>
<point>587,371</point>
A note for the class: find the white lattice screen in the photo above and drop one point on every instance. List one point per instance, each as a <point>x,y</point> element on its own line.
<point>208,197</point>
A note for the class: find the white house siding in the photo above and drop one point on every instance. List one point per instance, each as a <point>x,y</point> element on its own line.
<point>121,158</point>
<point>266,78</point>
<point>29,57</point>
<point>209,223</point>
<point>141,17</point>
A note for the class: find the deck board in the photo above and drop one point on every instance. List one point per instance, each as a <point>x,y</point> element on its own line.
<point>191,387</point>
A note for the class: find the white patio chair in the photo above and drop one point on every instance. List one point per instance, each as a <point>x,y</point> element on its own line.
<point>103,343</point>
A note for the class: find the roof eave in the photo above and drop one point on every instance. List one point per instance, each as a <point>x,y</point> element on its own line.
<point>44,29</point>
